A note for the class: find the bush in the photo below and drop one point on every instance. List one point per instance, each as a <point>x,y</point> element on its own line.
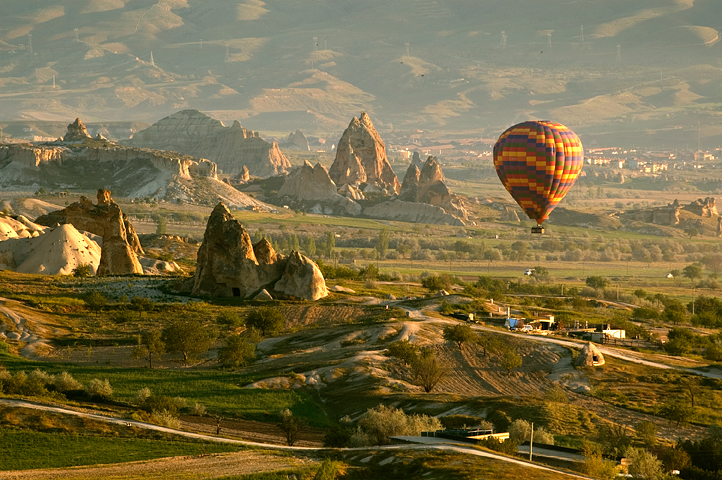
<point>382,422</point>
<point>99,389</point>
<point>198,409</point>
<point>142,395</point>
<point>328,470</point>
<point>166,419</point>
<point>83,270</point>
<point>507,447</point>
<point>229,319</point>
<point>65,382</point>
<point>268,320</point>
<point>163,403</point>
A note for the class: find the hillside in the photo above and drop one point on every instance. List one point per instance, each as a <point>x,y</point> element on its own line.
<point>642,72</point>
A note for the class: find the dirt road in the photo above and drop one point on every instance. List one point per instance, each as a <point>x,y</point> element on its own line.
<point>79,472</point>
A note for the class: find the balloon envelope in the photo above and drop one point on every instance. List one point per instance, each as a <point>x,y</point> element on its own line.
<point>538,162</point>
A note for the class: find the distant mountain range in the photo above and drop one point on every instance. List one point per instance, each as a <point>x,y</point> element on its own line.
<point>646,72</point>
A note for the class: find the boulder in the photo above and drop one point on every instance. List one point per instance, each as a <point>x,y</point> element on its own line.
<point>298,140</point>
<point>231,148</point>
<point>302,278</point>
<point>229,265</point>
<point>121,247</point>
<point>351,191</point>
<point>76,132</point>
<point>263,295</point>
<point>361,158</point>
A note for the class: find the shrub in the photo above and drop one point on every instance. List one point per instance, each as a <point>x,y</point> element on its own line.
<point>328,470</point>
<point>142,395</point>
<point>65,382</point>
<point>229,319</point>
<point>83,270</point>
<point>99,389</point>
<point>166,419</point>
<point>507,447</point>
<point>163,403</point>
<point>382,422</point>
<point>269,321</point>
<point>198,409</point>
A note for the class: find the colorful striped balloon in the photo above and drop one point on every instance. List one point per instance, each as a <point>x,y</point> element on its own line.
<point>538,162</point>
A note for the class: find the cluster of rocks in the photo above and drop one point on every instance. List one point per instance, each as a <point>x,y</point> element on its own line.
<point>361,182</point>
<point>231,148</point>
<point>120,246</point>
<point>703,208</point>
<point>230,265</point>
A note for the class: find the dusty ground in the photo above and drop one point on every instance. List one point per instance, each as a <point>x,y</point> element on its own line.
<point>190,468</point>
<point>251,431</point>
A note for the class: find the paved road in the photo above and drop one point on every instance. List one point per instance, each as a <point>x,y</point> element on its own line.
<point>148,426</point>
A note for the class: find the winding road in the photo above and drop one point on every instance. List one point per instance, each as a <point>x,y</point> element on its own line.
<point>148,426</point>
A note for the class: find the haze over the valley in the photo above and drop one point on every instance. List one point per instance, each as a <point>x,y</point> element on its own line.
<point>617,72</point>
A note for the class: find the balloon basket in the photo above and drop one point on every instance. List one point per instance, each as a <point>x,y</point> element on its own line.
<point>538,229</point>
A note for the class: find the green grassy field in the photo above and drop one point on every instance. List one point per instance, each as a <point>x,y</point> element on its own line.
<point>22,449</point>
<point>220,391</point>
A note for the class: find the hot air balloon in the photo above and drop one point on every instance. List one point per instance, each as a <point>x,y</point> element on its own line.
<point>538,162</point>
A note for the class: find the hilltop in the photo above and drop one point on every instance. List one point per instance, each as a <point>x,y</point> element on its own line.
<point>440,65</point>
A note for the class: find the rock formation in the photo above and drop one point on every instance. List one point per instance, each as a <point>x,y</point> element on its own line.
<point>244,176</point>
<point>704,208</point>
<point>76,132</point>
<point>229,265</point>
<point>509,214</point>
<point>309,183</point>
<point>302,278</point>
<point>120,249</point>
<point>311,189</point>
<point>416,160</point>
<point>667,215</point>
<point>414,212</point>
<point>298,141</point>
<point>351,191</point>
<point>361,158</point>
<point>427,186</point>
<point>231,148</point>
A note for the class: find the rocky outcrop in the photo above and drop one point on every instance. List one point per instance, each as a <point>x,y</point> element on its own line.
<point>351,191</point>
<point>244,176</point>
<point>120,249</point>
<point>412,212</point>
<point>298,140</point>
<point>416,160</point>
<point>229,265</point>
<point>76,132</point>
<point>311,189</point>
<point>361,158</point>
<point>302,278</point>
<point>30,156</point>
<point>194,133</point>
<point>427,186</point>
<point>509,215</point>
<point>667,215</point>
<point>309,183</point>
<point>704,208</point>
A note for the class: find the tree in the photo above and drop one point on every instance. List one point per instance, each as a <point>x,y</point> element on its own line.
<point>229,319</point>
<point>160,226</point>
<point>95,301</point>
<point>540,272</point>
<point>142,304</point>
<point>597,282</point>
<point>330,243</point>
<point>382,245</point>
<point>692,271</point>
<point>403,350</point>
<point>291,426</point>
<point>676,411</point>
<point>428,370</point>
<point>189,337</point>
<point>614,438</point>
<point>83,270</point>
<point>647,432</point>
<point>595,466</point>
<point>240,350</point>
<point>692,389</point>
<point>713,262</point>
<point>459,334</point>
<point>310,246</point>
<point>675,312</point>
<point>643,464</point>
<point>510,360</point>
<point>150,345</point>
<point>267,320</point>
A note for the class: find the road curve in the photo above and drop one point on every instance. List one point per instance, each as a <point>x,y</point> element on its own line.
<point>149,426</point>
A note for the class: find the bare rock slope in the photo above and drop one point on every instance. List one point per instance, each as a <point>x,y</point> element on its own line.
<point>310,188</point>
<point>427,186</point>
<point>195,133</point>
<point>230,265</point>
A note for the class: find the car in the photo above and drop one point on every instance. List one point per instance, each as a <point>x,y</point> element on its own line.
<point>669,275</point>
<point>529,271</point>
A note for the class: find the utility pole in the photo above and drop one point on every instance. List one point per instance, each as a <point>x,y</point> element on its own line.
<point>503,39</point>
<point>228,54</point>
<point>619,53</point>
<point>581,36</point>
<point>30,43</point>
<point>406,44</point>
<point>77,40</point>
<point>531,441</point>
<point>315,43</point>
<point>549,41</point>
